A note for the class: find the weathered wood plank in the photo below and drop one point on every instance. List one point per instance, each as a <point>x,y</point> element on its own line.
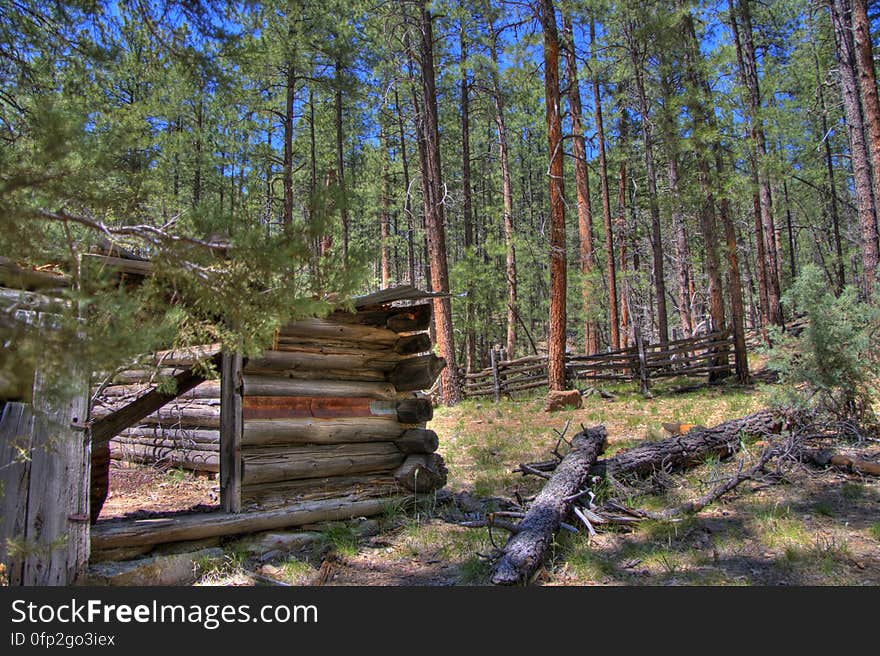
<point>16,435</point>
<point>231,428</point>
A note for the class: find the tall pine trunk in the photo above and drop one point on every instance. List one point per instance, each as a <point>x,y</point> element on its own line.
<point>868,83</point>
<point>506,197</point>
<point>746,58</point>
<point>613,320</point>
<point>435,230</point>
<point>653,203</point>
<point>467,214</point>
<point>556,337</point>
<point>582,186</point>
<point>849,87</point>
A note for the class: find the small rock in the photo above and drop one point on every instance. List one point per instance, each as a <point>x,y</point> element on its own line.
<point>560,400</point>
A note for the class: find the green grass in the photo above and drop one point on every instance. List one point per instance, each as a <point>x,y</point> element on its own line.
<point>340,537</point>
<point>297,571</point>
<point>474,570</point>
<point>874,531</point>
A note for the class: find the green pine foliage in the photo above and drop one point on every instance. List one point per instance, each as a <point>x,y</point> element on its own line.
<point>832,364</point>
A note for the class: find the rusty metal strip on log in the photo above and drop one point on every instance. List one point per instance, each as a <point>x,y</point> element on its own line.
<point>289,407</point>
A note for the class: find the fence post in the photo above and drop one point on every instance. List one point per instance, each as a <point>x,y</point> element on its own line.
<point>493,360</point>
<point>644,381</point>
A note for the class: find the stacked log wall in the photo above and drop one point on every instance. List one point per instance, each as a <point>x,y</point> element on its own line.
<point>333,410</point>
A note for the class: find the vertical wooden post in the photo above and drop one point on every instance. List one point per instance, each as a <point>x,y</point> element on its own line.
<point>644,382</point>
<point>496,387</point>
<point>46,485</point>
<point>230,431</point>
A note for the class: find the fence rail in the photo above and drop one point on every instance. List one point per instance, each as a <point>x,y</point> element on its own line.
<point>704,354</point>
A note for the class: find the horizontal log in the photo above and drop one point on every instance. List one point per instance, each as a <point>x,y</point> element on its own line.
<point>290,407</point>
<point>146,376</point>
<point>264,385</point>
<point>412,344</point>
<point>111,424</point>
<point>417,373</point>
<point>187,355</point>
<point>285,361</point>
<point>284,463</point>
<point>410,319</point>
<point>317,330</point>
<point>195,460</point>
<point>260,432</point>
<point>209,389</point>
<point>512,371</point>
<point>128,533</point>
<point>205,416</point>
<point>691,448</point>
<point>178,434</point>
<point>363,486</point>
<point>391,294</point>
<point>399,319</point>
<point>121,441</point>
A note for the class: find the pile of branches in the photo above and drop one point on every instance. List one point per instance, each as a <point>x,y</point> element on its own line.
<point>568,496</point>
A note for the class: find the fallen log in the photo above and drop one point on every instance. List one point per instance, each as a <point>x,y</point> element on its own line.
<point>526,549</point>
<point>126,533</point>
<point>824,458</point>
<point>690,449</point>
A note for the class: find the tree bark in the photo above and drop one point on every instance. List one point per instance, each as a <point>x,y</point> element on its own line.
<point>582,185</point>
<point>654,205</point>
<point>557,337</point>
<point>528,547</point>
<point>467,203</point>
<point>747,60</point>
<point>287,175</point>
<point>849,87</point>
<point>506,196</point>
<point>868,82</point>
<point>613,320</point>
<point>340,160</point>
<point>434,212</point>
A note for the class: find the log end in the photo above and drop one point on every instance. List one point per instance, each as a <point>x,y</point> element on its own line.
<point>422,472</point>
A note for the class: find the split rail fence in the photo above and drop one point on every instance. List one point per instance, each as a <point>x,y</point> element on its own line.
<point>704,354</point>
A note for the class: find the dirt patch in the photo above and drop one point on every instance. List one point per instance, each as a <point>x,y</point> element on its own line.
<point>138,491</point>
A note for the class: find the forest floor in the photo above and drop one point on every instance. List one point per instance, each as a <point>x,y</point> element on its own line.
<point>816,527</point>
